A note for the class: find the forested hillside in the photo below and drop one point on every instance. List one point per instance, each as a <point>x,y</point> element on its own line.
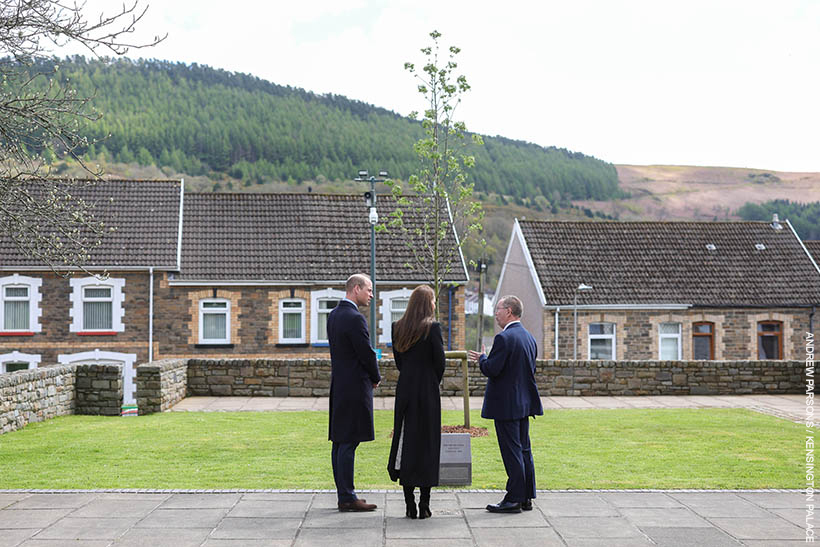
<point>805,217</point>
<point>200,120</point>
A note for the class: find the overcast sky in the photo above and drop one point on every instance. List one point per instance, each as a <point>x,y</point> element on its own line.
<point>717,82</point>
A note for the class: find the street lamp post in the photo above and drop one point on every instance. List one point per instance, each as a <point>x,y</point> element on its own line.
<point>581,287</point>
<point>373,219</point>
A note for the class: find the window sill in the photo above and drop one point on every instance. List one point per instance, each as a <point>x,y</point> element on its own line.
<point>20,333</point>
<point>97,333</point>
<point>206,346</point>
<point>321,344</point>
<point>292,345</point>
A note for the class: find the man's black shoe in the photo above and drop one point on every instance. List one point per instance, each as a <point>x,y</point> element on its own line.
<point>504,507</point>
<point>527,505</point>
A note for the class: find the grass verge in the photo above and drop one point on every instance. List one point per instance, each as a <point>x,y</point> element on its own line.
<point>687,448</point>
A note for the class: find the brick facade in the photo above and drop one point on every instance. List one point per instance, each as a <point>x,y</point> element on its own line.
<point>637,331</point>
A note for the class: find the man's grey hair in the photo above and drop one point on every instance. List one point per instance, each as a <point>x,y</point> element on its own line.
<point>512,303</point>
<point>356,280</point>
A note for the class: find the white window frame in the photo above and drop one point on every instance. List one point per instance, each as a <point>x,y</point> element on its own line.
<point>282,339</point>
<point>32,359</point>
<point>34,297</point>
<point>97,357</point>
<point>677,337</point>
<point>386,321</point>
<point>78,287</point>
<point>612,337</point>
<point>226,311</point>
<point>315,297</point>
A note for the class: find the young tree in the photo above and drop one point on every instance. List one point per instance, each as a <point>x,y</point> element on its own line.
<point>40,117</point>
<point>443,195</point>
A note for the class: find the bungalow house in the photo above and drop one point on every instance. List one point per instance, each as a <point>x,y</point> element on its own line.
<point>211,275</point>
<point>103,315</point>
<point>261,272</point>
<point>663,290</point>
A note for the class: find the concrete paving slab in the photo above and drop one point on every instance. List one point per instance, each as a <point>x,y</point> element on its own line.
<point>639,499</point>
<point>440,508</point>
<point>643,517</point>
<point>248,543</point>
<point>690,537</point>
<point>512,537</point>
<point>9,499</point>
<point>183,518</point>
<point>270,509</point>
<point>571,402</point>
<point>595,527</point>
<point>770,543</point>
<point>30,518</point>
<point>481,518</point>
<point>201,501</point>
<point>760,528</point>
<point>151,537</point>
<point>635,402</point>
<point>92,528</point>
<point>574,505</point>
<point>795,516</point>
<point>48,501</point>
<point>11,538</point>
<point>720,505</point>
<point>776,500</point>
<point>443,528</point>
<point>65,543</point>
<point>426,543</point>
<point>608,542</point>
<point>103,508</point>
<point>256,528</point>
<point>333,518</point>
<point>316,537</point>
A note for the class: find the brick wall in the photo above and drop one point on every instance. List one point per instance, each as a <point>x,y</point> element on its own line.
<point>735,336</point>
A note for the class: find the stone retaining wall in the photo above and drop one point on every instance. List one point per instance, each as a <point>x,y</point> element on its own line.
<point>161,384</point>
<point>98,390</point>
<point>35,395</point>
<point>311,378</point>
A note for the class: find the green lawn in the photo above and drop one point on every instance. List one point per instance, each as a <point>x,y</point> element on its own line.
<point>702,448</point>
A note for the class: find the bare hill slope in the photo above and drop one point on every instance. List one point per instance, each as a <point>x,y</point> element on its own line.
<point>668,192</point>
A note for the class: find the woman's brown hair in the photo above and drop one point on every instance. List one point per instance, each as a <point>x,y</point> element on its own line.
<point>415,324</point>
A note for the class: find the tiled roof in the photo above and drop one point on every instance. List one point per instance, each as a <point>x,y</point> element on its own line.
<point>814,248</point>
<point>292,237</point>
<point>698,263</point>
<point>145,214</point>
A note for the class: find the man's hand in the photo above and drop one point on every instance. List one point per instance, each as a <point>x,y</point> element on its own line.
<point>376,385</point>
<point>474,355</point>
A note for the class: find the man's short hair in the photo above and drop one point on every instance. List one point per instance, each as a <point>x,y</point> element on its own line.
<point>356,280</point>
<point>512,303</point>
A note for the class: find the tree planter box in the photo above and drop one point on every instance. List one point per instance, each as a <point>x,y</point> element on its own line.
<point>456,464</point>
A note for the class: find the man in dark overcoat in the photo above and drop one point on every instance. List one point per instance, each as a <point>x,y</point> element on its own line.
<point>354,374</point>
<point>510,398</point>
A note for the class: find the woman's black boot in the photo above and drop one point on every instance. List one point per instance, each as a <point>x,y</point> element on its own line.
<point>409,501</point>
<point>424,502</point>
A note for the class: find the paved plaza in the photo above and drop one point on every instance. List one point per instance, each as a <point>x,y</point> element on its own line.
<point>302,518</point>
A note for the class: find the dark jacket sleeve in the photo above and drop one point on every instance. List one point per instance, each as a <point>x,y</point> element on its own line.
<point>360,341</point>
<point>438,350</point>
<point>396,354</point>
<point>492,365</point>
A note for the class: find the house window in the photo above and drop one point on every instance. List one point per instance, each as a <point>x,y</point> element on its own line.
<point>291,321</point>
<point>20,309</point>
<point>703,341</point>
<point>770,340</point>
<point>97,306</point>
<point>215,321</point>
<point>669,338</point>
<point>392,308</point>
<point>322,303</point>
<point>602,341</point>
<point>14,361</point>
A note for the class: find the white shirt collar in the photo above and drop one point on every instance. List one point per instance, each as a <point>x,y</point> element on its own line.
<point>352,302</point>
<point>510,323</point>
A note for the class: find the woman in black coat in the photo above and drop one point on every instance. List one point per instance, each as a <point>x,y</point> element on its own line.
<point>419,353</point>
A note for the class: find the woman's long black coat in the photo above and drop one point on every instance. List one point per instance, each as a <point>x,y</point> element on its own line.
<point>417,414</point>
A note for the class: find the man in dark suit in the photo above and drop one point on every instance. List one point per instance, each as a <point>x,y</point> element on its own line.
<point>510,398</point>
<point>354,374</point>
